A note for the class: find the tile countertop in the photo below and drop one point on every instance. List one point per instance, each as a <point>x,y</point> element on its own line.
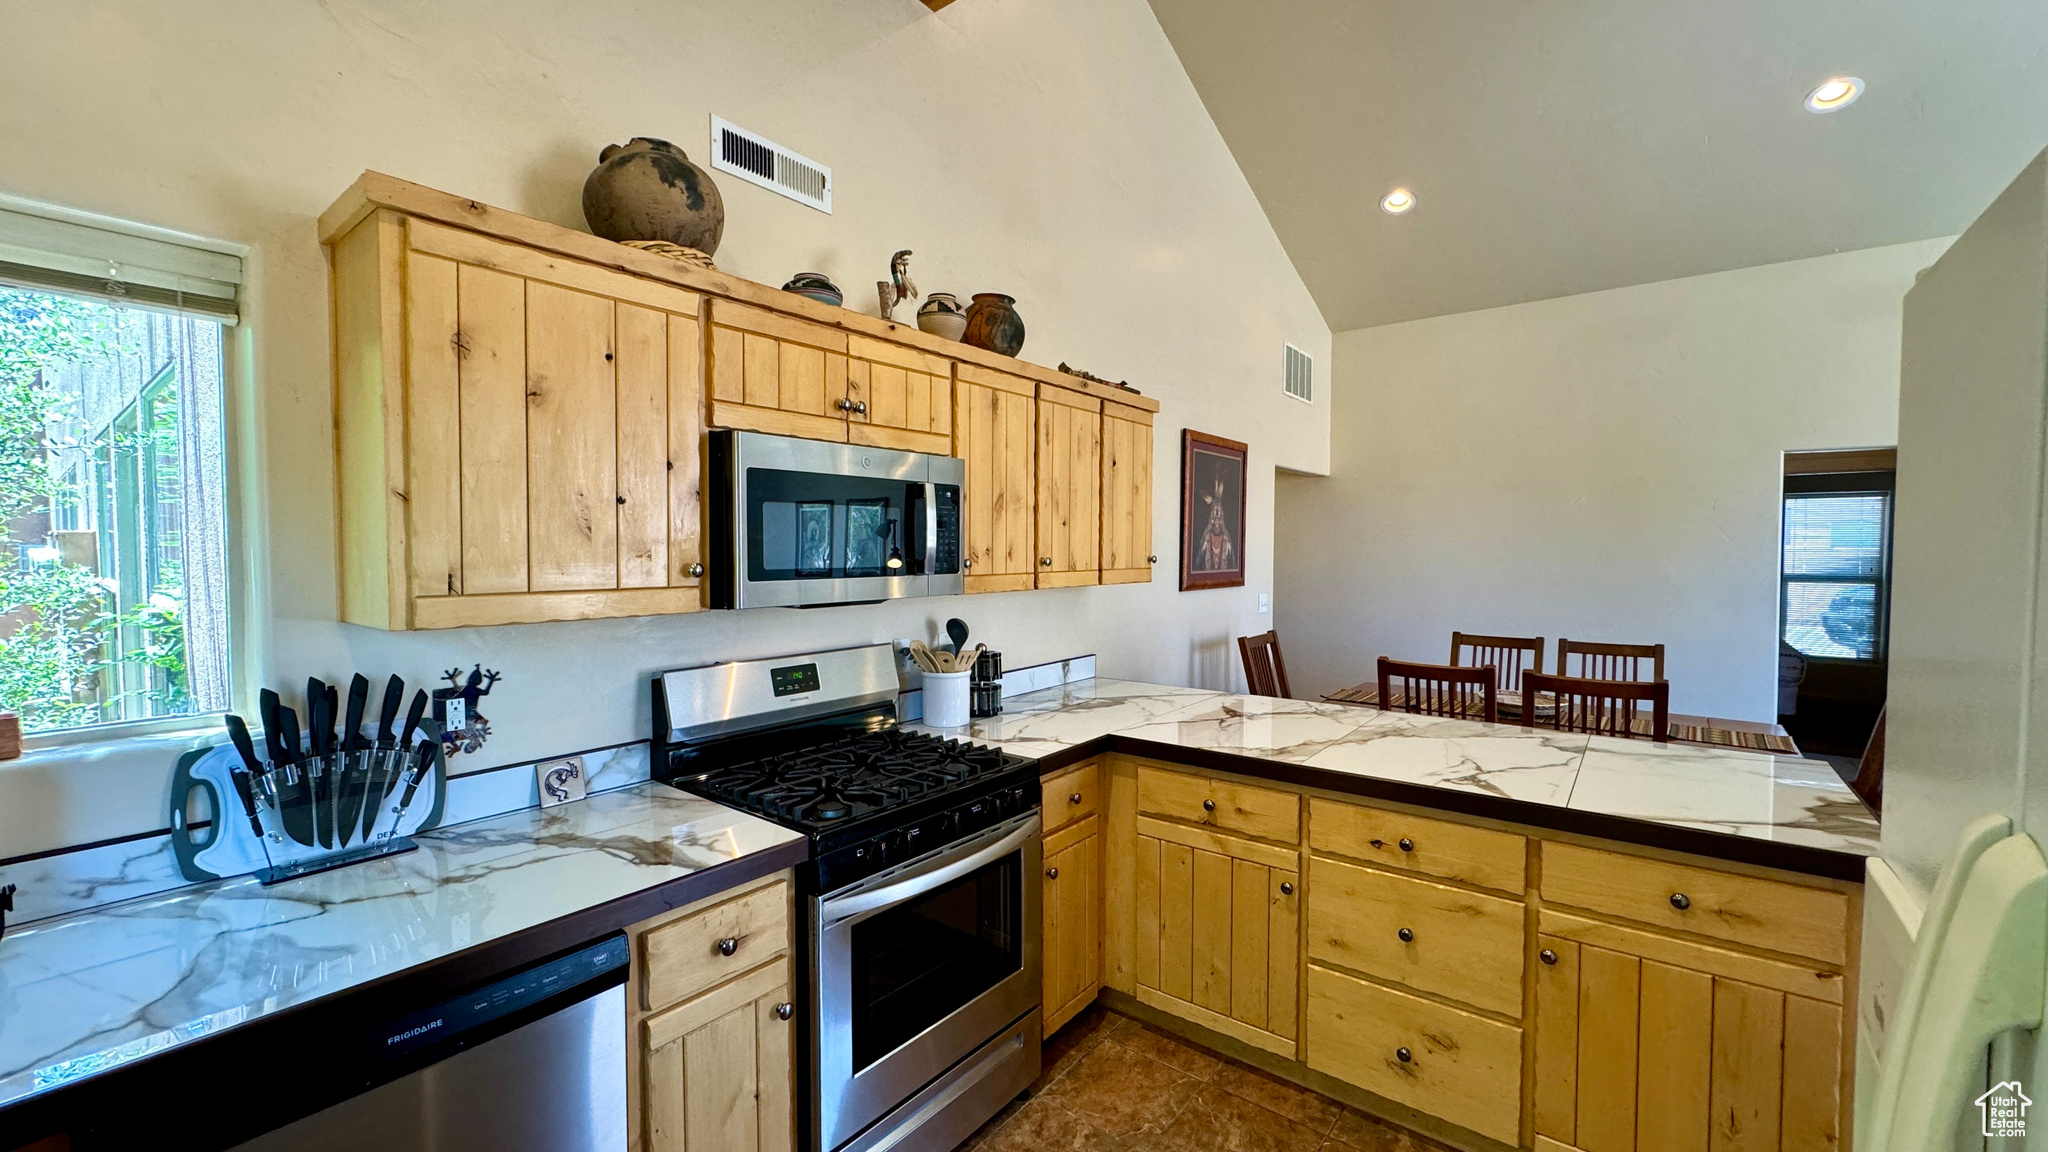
<point>89,992</point>
<point>1778,811</point>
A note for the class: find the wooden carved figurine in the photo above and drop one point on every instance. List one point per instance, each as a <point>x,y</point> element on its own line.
<point>897,288</point>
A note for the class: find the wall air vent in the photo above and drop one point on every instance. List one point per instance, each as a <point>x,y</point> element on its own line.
<point>760,161</point>
<point>1300,375</point>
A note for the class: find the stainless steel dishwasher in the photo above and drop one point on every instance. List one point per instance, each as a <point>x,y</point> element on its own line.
<point>530,1062</point>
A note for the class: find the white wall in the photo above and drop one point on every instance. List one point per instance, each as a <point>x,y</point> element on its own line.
<point>1604,467</point>
<point>1052,149</point>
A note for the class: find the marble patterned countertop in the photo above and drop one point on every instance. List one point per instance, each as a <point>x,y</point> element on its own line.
<point>83,993</point>
<point>1752,796</point>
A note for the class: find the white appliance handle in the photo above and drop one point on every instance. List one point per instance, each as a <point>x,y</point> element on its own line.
<point>923,880</point>
<point>1985,976</point>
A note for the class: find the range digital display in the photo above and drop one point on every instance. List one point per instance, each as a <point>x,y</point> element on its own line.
<point>794,679</point>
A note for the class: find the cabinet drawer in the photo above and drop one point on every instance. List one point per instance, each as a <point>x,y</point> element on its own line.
<point>1260,812</point>
<point>686,956</point>
<point>1460,944</point>
<point>1070,795</point>
<point>1460,852</point>
<point>1743,909</point>
<point>1461,1067</point>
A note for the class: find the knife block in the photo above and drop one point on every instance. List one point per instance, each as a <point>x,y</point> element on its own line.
<point>225,845</point>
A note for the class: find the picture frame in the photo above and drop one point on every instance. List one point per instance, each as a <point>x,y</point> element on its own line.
<point>1212,502</point>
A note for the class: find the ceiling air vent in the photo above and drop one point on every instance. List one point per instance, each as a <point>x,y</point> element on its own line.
<point>760,161</point>
<point>1300,381</point>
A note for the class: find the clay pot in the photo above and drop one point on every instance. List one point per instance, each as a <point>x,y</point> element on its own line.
<point>647,189</point>
<point>942,314</point>
<point>993,323</point>
<point>817,286</point>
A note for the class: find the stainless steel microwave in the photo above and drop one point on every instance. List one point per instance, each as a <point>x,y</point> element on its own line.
<point>804,523</point>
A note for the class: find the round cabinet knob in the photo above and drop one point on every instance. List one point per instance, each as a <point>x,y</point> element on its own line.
<point>861,407</point>
<point>1045,561</point>
<point>728,946</point>
<point>1680,901</point>
<point>1407,935</point>
<point>1208,805</point>
<point>967,564</point>
<point>1151,559</point>
<point>844,405</point>
<point>1547,956</point>
<point>1074,798</point>
<point>1407,845</point>
<point>696,569</point>
<point>784,1011</point>
<point>1287,887</point>
<point>1403,1055</point>
<point>1052,873</point>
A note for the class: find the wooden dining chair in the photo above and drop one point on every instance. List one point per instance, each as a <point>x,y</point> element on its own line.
<point>1440,690</point>
<point>1509,654</point>
<point>1265,672</point>
<point>1602,707</point>
<point>1609,661</point>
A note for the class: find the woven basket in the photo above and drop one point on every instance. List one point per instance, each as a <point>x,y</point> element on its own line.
<point>690,256</point>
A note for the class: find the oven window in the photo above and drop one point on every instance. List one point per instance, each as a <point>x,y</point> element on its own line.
<point>808,525</point>
<point>918,962</point>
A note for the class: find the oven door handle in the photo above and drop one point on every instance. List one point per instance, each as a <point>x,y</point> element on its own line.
<point>852,904</point>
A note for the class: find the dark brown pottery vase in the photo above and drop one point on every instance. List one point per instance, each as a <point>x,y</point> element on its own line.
<point>647,189</point>
<point>993,323</point>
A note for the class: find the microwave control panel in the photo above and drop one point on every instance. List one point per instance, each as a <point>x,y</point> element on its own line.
<point>946,549</point>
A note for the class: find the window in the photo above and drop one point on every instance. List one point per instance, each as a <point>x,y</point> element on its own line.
<point>1835,569</point>
<point>113,558</point>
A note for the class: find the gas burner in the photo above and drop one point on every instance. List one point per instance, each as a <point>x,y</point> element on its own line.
<point>848,777</point>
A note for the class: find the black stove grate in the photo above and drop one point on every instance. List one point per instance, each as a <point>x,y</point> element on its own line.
<point>825,785</point>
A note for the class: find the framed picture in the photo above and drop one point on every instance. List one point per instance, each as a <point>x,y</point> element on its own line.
<point>1211,511</point>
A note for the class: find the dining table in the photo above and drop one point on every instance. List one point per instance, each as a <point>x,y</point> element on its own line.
<point>1686,728</point>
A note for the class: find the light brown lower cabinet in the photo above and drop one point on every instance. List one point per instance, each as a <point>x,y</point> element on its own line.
<point>1649,1043</point>
<point>713,1026</point>
<point>1071,954</point>
<point>1542,992</point>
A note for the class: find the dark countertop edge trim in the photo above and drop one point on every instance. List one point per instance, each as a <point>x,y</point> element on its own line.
<point>309,1031</point>
<point>1800,858</point>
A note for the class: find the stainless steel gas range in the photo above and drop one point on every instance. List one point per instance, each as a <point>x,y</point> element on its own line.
<point>920,903</point>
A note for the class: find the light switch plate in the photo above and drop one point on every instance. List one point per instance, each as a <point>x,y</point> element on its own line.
<point>1265,602</point>
<point>561,781</point>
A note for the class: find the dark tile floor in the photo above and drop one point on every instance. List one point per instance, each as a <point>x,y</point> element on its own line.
<point>1112,1084</point>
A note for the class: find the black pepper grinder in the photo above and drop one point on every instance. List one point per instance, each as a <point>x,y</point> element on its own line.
<point>985,686</point>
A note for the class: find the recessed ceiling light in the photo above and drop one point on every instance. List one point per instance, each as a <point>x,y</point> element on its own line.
<point>1396,202</point>
<point>1838,92</point>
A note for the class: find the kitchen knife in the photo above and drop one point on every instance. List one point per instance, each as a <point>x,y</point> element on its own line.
<point>273,740</point>
<point>333,716</point>
<point>377,778</point>
<point>413,715</point>
<point>239,733</point>
<point>422,760</point>
<point>294,792</point>
<point>318,777</point>
<point>400,755</point>
<point>350,785</point>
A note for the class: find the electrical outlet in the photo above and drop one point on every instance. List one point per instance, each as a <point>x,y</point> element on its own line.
<point>1265,602</point>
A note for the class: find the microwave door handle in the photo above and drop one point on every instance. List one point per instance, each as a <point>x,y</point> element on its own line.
<point>931,526</point>
<point>853,904</point>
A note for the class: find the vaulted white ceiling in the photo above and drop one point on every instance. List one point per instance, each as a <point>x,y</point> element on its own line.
<point>1566,146</point>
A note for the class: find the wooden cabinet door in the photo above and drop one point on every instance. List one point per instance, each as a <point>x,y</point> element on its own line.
<point>995,430</point>
<point>1662,1045</point>
<point>1217,934</point>
<point>1072,904</point>
<point>717,1070</point>
<point>901,397</point>
<point>1127,556</point>
<point>777,374</point>
<point>1069,488</point>
<point>552,436</point>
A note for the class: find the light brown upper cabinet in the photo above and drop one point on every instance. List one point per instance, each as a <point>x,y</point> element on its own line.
<point>1126,494</point>
<point>518,432</point>
<point>995,429</point>
<point>1069,487</point>
<point>793,377</point>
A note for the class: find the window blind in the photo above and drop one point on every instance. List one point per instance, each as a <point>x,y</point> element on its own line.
<point>86,256</point>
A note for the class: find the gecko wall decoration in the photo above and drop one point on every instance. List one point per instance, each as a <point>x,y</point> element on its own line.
<point>463,727</point>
